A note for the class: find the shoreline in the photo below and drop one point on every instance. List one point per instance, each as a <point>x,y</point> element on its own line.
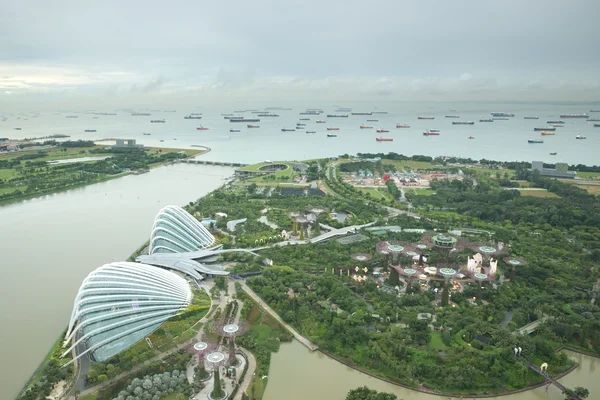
<point>459,396</point>
<point>203,150</point>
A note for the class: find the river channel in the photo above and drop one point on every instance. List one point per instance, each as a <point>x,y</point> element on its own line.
<point>298,374</point>
<point>49,244</point>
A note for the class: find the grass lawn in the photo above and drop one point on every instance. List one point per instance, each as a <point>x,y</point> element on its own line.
<point>588,174</point>
<point>591,189</point>
<point>420,191</point>
<point>376,193</point>
<point>436,341</point>
<point>410,164</point>
<point>89,397</point>
<point>538,193</point>
<point>174,396</point>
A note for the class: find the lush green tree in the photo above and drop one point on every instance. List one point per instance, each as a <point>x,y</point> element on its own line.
<point>364,393</point>
<point>577,393</point>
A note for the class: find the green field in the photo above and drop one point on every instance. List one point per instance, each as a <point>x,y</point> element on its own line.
<point>538,193</point>
<point>410,164</point>
<point>436,342</point>
<point>376,193</point>
<point>419,191</point>
<point>588,174</point>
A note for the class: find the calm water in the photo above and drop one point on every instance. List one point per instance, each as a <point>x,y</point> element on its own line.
<point>295,372</point>
<point>500,140</point>
<point>51,243</point>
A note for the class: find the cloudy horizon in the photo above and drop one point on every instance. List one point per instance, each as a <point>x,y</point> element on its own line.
<point>119,52</point>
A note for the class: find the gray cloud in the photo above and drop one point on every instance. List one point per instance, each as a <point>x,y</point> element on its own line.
<point>464,49</point>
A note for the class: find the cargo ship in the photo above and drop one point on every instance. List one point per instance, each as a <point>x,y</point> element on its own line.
<point>531,117</point>
<point>227,115</point>
<point>157,121</point>
<point>234,130</point>
<point>304,119</point>
<point>382,139</point>
<point>382,131</point>
<point>486,120</point>
<point>253,126</point>
<point>550,128</point>
<point>596,125</point>
<point>337,115</point>
<point>311,131</point>
<point>372,120</point>
<point>320,121</point>
<point>535,141</point>
<point>362,113</point>
<point>425,117</point>
<point>267,115</point>
<point>379,112</point>
<point>555,122</point>
<point>333,129</point>
<point>201,128</point>
<point>17,129</point>
<point>90,130</point>
<point>331,135</point>
<point>366,127</point>
<point>553,153</point>
<point>547,133</point>
<point>574,116</point>
<point>76,116</point>
<point>463,123</point>
<point>431,132</point>
<point>135,114</point>
<point>452,116</point>
<point>402,126</point>
<point>299,124</point>
<point>287,130</point>
<point>500,119</point>
<point>239,119</point>
<point>557,125</point>
<point>579,137</point>
<point>146,134</point>
<point>594,110</point>
<point>502,114</point>
<point>311,112</point>
<point>193,117</point>
<point>593,120</point>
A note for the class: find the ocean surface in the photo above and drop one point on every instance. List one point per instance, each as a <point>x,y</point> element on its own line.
<point>498,140</point>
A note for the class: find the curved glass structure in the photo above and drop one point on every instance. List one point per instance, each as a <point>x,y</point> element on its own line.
<point>176,231</point>
<point>120,303</point>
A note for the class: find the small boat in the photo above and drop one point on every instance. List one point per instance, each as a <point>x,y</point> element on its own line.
<point>553,154</point>
<point>499,119</point>
<point>161,140</point>
<point>253,126</point>
<point>535,141</point>
<point>425,117</point>
<point>72,116</point>
<point>320,121</point>
<point>158,121</point>
<point>311,131</point>
<point>547,133</point>
<point>201,128</point>
<point>555,122</point>
<point>471,137</point>
<point>299,124</point>
<point>545,129</point>
<point>193,116</point>
<point>304,119</point>
<point>95,117</point>
<point>372,120</point>
<point>557,125</point>
<point>234,130</point>
<point>382,139</point>
<point>147,134</point>
<point>382,131</point>
<point>431,132</point>
<point>17,129</point>
<point>331,135</point>
<point>366,127</point>
<point>531,117</point>
<point>486,120</point>
<point>287,130</point>
<point>90,130</point>
<point>333,129</point>
<point>578,137</point>
<point>402,126</point>
<point>452,116</point>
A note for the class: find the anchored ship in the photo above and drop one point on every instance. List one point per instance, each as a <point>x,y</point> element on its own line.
<point>548,128</point>
<point>574,116</point>
<point>502,114</point>
<point>382,139</point>
<point>402,126</point>
<point>463,123</point>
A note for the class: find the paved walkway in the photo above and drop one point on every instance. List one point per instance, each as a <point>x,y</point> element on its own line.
<point>311,346</point>
<point>249,373</point>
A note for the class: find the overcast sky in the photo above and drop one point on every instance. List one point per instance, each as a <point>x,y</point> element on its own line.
<point>367,49</point>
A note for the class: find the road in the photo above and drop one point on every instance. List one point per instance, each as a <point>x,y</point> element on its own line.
<point>311,346</point>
